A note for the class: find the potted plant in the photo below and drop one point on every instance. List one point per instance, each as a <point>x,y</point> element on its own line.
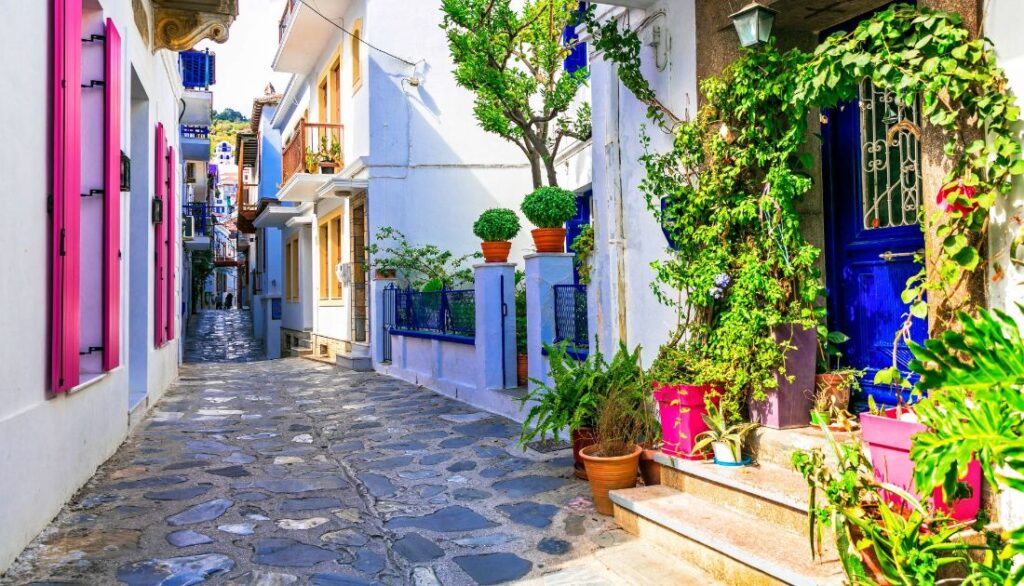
<point>683,397</point>
<point>496,227</point>
<point>522,361</point>
<point>613,460</point>
<point>726,440</point>
<point>831,378</point>
<point>549,208</point>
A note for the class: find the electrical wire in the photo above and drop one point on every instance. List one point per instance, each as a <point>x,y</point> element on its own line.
<point>354,36</point>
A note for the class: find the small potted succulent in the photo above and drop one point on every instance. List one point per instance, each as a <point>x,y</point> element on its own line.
<point>496,227</point>
<point>725,440</point>
<point>549,208</point>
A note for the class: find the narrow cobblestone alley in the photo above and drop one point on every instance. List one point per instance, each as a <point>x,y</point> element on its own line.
<point>292,472</point>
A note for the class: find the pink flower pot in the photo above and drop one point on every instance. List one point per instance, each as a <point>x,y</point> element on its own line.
<point>681,408</point>
<point>889,440</point>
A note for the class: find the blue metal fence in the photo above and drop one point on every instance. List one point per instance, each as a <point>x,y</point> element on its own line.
<point>448,314</point>
<point>199,211</point>
<point>193,131</point>
<point>571,316</point>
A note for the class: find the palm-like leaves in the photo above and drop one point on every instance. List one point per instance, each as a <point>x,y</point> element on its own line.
<point>719,430</point>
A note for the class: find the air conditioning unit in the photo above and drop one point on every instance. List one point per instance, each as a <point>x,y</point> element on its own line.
<point>188,228</point>
<point>343,270</point>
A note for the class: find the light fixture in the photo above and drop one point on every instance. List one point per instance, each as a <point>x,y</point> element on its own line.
<point>753,24</point>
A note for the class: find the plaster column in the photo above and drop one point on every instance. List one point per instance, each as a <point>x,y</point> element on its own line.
<point>543,272</point>
<point>378,318</point>
<point>495,325</point>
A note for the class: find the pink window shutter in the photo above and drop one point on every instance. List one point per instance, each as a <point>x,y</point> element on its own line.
<point>67,82</point>
<point>171,216</point>
<point>112,200</point>
<point>160,239</point>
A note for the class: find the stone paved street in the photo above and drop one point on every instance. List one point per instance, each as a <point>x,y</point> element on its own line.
<point>293,472</point>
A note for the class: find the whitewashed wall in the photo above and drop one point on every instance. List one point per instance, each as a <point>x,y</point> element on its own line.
<point>627,237</point>
<point>50,447</point>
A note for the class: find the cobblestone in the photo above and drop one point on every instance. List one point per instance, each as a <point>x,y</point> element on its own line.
<point>256,472</point>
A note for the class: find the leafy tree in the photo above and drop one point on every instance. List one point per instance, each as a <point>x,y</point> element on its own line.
<point>425,267</point>
<point>513,61</point>
<point>202,268</point>
<point>229,115</point>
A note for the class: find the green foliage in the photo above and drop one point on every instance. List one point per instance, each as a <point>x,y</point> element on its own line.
<point>583,247</point>
<point>229,115</point>
<point>974,409</point>
<point>416,266</point>
<point>202,268</point>
<point>579,390</point>
<point>513,61</point>
<point>225,130</point>
<point>549,207</point>
<point>720,431</point>
<point>727,192</point>
<point>496,224</point>
<point>929,56</point>
<point>829,354</point>
<point>520,288</point>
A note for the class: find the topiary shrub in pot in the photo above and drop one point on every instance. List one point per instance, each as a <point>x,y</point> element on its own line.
<point>549,208</point>
<point>496,227</point>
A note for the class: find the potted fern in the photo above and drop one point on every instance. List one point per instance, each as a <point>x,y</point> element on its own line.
<point>496,227</point>
<point>549,208</point>
<point>612,462</point>
<point>725,440</point>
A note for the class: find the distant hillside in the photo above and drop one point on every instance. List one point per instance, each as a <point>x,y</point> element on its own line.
<point>226,124</point>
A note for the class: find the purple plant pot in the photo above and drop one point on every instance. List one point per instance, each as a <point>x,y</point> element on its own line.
<point>789,404</point>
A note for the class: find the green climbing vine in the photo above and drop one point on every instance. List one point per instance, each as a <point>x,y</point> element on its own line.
<point>917,53</point>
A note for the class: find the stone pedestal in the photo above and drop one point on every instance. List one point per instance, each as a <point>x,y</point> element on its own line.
<point>543,272</point>
<point>495,325</point>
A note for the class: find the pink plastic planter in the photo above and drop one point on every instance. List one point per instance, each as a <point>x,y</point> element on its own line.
<point>889,440</point>
<point>681,408</point>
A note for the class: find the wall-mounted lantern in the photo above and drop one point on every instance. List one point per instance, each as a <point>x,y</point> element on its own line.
<point>158,210</point>
<point>754,24</point>
<point>126,172</point>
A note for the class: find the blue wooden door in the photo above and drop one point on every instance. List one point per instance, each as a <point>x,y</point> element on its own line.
<point>574,226</point>
<point>872,200</point>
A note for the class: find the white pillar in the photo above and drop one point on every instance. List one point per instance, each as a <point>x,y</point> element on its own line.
<point>495,325</point>
<point>377,317</point>
<point>543,272</point>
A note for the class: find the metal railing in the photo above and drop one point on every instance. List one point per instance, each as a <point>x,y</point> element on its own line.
<point>199,211</point>
<point>313,148</point>
<point>446,314</point>
<point>571,315</point>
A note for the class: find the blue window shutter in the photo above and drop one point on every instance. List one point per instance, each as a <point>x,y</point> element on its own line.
<point>577,58</point>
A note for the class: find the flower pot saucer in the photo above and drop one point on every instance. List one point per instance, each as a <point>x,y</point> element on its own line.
<point>744,462</point>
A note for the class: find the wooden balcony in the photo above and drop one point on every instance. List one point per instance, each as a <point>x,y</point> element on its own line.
<point>313,148</point>
<point>246,214</point>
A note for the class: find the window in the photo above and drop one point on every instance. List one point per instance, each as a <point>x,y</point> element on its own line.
<point>291,268</point>
<point>335,85</point>
<point>85,262</point>
<point>330,255</point>
<point>357,55</point>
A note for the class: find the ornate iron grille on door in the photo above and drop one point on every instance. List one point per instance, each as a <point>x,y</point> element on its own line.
<point>890,159</point>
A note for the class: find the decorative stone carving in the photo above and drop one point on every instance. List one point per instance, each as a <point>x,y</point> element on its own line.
<point>179,25</point>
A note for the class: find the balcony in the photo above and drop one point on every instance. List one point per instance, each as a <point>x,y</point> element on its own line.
<point>314,149</point>
<point>303,34</point>
<point>199,214</point>
<point>246,214</point>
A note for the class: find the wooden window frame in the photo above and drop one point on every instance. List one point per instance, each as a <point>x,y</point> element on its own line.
<point>357,55</point>
<point>331,291</point>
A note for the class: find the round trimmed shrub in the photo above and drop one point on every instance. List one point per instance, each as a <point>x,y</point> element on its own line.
<point>496,225</point>
<point>549,207</point>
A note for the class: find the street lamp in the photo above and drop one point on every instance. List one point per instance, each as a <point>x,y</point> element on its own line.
<point>753,24</point>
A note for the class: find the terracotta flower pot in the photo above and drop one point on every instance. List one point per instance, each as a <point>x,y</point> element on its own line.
<point>681,408</point>
<point>549,239</point>
<point>650,470</point>
<point>581,438</point>
<point>607,474</point>
<point>834,385</point>
<point>889,440</point>
<point>522,369</point>
<point>496,251</point>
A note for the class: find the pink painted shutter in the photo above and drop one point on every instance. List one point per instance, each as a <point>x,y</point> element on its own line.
<point>160,240</point>
<point>67,128</point>
<point>172,225</point>
<point>112,200</point>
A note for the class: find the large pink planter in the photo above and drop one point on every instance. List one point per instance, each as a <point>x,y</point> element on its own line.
<point>889,440</point>
<point>682,408</point>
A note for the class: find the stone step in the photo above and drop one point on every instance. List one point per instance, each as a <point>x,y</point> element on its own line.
<point>634,563</point>
<point>768,492</point>
<point>354,362</point>
<point>732,546</point>
<point>775,446</point>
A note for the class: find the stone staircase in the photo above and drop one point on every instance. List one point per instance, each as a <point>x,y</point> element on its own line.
<point>737,525</point>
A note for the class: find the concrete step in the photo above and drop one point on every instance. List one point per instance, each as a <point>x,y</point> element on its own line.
<point>354,362</point>
<point>768,492</point>
<point>635,564</point>
<point>733,547</point>
<point>775,446</point>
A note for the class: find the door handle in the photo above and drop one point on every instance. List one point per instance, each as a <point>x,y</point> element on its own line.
<point>889,256</point>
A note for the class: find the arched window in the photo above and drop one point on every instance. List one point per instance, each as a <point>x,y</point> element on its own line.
<point>357,54</point>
